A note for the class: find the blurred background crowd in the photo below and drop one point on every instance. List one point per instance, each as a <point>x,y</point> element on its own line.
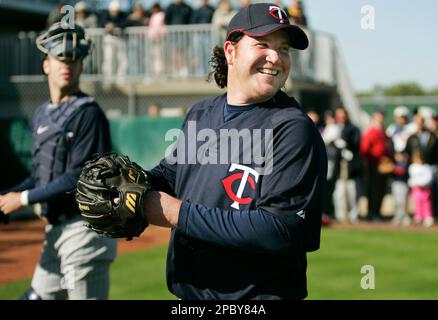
<point>115,19</point>
<point>400,160</point>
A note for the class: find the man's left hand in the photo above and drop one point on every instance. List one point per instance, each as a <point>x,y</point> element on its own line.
<point>10,202</point>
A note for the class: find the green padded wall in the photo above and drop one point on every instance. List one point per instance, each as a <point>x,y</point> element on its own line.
<point>142,138</point>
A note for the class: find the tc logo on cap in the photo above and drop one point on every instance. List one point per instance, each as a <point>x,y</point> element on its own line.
<point>278,14</point>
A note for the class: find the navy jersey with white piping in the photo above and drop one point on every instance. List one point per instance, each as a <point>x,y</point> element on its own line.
<point>64,137</point>
<point>244,226</point>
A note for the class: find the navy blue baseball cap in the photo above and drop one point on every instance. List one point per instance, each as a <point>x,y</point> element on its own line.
<point>260,19</point>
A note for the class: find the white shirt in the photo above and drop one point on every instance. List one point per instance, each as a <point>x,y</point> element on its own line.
<point>420,175</point>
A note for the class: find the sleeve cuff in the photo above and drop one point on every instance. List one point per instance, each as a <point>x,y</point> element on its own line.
<point>24,198</point>
<point>183,216</point>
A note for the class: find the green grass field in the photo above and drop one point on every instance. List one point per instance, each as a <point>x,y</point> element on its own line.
<point>404,267</point>
<point>404,263</point>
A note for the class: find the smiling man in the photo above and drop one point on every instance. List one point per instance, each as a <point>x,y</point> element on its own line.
<point>240,231</point>
<point>67,130</point>
<point>241,227</point>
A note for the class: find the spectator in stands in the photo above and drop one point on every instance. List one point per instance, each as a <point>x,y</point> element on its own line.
<point>114,21</point>
<point>374,147</point>
<point>137,42</point>
<point>412,126</point>
<point>222,16</point>
<point>399,133</point>
<point>296,12</point>
<point>423,141</point>
<point>154,110</point>
<point>83,16</point>
<point>434,124</point>
<point>204,14</point>
<point>55,15</point>
<point>156,33</point>
<point>348,169</point>
<point>330,134</point>
<point>312,114</point>
<point>420,180</point>
<point>139,17</point>
<point>202,44</point>
<point>86,19</point>
<point>179,13</point>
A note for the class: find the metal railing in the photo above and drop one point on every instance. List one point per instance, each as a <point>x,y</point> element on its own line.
<point>181,51</point>
<point>141,53</point>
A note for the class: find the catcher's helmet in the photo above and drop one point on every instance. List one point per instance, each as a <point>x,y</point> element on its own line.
<point>63,42</point>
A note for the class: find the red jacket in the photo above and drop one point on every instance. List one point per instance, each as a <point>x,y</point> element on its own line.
<point>374,144</point>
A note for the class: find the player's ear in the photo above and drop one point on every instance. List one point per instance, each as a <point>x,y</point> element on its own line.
<point>45,66</point>
<point>230,51</point>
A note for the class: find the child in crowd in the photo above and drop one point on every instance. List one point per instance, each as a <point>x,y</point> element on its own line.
<point>400,188</point>
<point>420,180</point>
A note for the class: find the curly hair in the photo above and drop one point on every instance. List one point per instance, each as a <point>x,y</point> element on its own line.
<point>219,63</point>
<point>220,67</point>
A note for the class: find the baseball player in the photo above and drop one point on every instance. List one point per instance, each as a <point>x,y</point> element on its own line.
<point>242,188</point>
<point>67,130</point>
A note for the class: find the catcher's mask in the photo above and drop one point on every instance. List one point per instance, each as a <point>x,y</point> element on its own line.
<point>64,43</point>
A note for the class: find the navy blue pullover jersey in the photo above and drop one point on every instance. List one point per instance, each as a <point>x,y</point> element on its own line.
<point>90,134</point>
<point>245,224</point>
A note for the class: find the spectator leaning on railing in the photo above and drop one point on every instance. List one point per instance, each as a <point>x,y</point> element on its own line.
<point>204,14</point>
<point>222,17</point>
<point>83,16</point>
<point>55,15</point>
<point>114,21</point>
<point>202,43</point>
<point>156,33</point>
<point>139,17</point>
<point>179,13</point>
<point>137,42</point>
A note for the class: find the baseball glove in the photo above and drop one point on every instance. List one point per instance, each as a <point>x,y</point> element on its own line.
<point>110,193</point>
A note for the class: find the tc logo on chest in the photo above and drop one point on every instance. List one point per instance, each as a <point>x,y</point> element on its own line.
<point>246,177</point>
